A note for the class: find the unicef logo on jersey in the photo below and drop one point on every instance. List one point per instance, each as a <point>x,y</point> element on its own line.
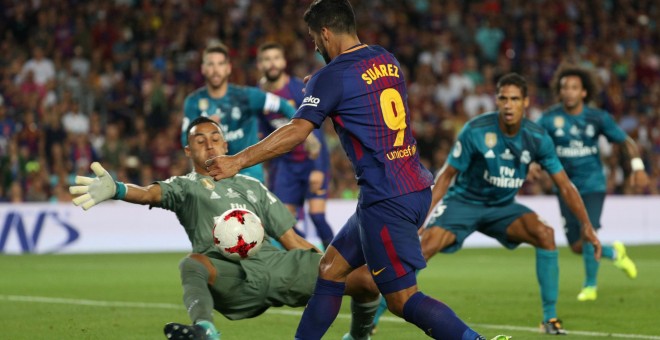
<point>310,101</point>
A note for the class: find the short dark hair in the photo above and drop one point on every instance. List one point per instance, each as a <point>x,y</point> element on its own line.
<point>588,79</point>
<point>271,45</point>
<point>336,15</point>
<point>513,79</point>
<point>201,120</point>
<point>217,48</point>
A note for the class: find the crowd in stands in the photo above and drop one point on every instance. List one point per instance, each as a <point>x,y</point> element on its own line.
<point>84,81</point>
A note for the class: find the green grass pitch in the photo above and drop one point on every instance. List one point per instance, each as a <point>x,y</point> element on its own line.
<point>131,296</point>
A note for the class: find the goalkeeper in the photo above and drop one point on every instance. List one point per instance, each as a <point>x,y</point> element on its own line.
<point>236,289</point>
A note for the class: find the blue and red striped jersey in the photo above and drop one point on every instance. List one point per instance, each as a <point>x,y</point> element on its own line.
<point>364,92</point>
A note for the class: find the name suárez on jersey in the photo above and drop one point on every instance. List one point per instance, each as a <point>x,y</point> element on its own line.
<point>378,71</point>
<point>503,182</point>
<point>576,151</point>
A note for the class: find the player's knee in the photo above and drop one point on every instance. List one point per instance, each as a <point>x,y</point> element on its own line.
<point>576,247</point>
<point>395,306</point>
<point>361,286</point>
<point>434,239</point>
<point>333,267</point>
<point>198,264</point>
<point>396,301</point>
<point>544,236</point>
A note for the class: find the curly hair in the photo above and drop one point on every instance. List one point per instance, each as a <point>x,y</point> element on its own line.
<point>589,81</point>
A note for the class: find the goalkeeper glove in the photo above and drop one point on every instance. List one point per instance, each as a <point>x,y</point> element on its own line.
<point>93,191</point>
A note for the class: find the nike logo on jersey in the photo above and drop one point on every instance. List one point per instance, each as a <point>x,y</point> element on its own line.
<point>215,196</point>
<point>377,272</point>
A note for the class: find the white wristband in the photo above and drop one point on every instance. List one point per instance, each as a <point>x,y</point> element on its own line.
<point>636,164</point>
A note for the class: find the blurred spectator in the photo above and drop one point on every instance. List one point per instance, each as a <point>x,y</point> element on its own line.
<point>114,148</point>
<point>41,68</point>
<point>91,75</point>
<point>12,168</point>
<point>74,121</point>
<point>7,128</point>
<point>478,101</point>
<point>82,154</point>
<point>29,135</point>
<point>489,38</point>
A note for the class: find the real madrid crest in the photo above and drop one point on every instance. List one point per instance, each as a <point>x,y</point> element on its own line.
<point>525,158</point>
<point>235,113</point>
<point>559,122</point>
<point>203,104</point>
<point>590,131</point>
<point>208,184</point>
<point>490,139</point>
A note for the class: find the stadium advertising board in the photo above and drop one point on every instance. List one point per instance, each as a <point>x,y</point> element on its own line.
<point>42,228</point>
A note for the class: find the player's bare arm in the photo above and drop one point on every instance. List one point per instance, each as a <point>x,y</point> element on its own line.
<point>572,197</point>
<point>638,178</point>
<point>442,182</point>
<point>290,240</point>
<point>277,143</point>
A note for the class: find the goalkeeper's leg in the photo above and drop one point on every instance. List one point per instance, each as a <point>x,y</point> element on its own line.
<point>364,303</point>
<point>197,273</point>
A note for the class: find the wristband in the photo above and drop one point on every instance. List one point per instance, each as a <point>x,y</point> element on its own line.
<point>636,164</point>
<point>120,191</point>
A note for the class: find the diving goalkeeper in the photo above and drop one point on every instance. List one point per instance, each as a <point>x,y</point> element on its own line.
<point>236,289</point>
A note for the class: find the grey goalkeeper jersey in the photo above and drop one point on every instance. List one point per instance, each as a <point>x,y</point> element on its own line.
<point>197,199</point>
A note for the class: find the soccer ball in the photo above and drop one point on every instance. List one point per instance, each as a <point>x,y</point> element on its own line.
<point>238,233</point>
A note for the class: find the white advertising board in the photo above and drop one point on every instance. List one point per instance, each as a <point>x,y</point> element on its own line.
<point>122,227</point>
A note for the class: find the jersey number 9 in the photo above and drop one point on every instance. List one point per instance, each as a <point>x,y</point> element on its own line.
<point>394,113</point>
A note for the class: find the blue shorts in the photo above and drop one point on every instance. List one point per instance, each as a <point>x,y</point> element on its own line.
<point>462,219</point>
<point>593,202</point>
<point>384,236</point>
<point>290,182</point>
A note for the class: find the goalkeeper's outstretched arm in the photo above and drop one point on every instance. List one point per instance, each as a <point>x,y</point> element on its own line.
<point>92,191</point>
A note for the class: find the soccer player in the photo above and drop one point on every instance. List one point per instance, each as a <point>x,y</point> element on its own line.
<point>295,177</point>
<point>238,109</point>
<point>236,289</point>
<point>362,89</point>
<point>575,129</point>
<point>490,161</point>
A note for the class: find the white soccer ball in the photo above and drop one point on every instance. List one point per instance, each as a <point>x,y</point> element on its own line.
<point>238,233</point>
